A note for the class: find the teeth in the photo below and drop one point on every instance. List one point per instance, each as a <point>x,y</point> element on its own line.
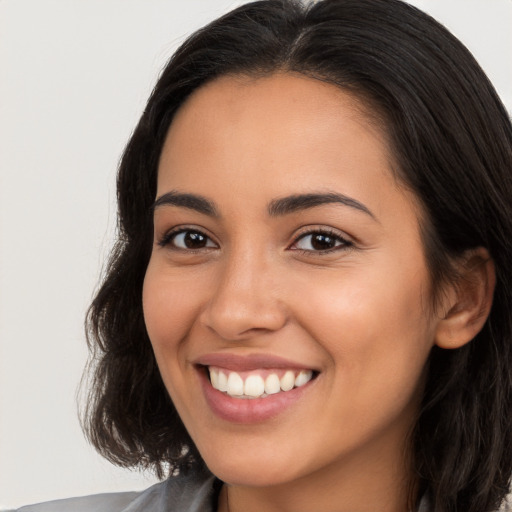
<point>255,386</point>
<point>222,383</point>
<point>272,384</point>
<point>235,384</point>
<point>287,381</point>
<point>214,377</point>
<point>303,378</point>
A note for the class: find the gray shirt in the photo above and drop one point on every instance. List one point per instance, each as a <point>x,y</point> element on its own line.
<point>190,493</point>
<point>183,493</point>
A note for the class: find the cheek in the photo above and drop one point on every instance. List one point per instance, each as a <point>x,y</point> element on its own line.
<point>376,331</point>
<point>357,305</point>
<point>169,309</point>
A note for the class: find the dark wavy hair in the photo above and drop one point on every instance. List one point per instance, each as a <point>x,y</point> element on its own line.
<point>452,139</point>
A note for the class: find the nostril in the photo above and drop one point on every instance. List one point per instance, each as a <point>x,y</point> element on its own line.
<point>238,314</point>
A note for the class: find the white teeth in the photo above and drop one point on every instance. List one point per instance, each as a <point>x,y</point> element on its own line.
<point>222,383</point>
<point>254,386</point>
<point>214,377</point>
<point>303,378</point>
<point>235,384</point>
<point>272,384</point>
<point>287,381</point>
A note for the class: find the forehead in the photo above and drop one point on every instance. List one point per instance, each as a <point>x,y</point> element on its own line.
<point>284,97</point>
<point>274,136</point>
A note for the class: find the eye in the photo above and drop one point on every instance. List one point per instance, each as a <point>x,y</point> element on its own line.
<point>320,241</point>
<point>187,240</point>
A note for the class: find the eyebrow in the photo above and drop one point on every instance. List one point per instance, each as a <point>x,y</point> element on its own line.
<point>290,204</point>
<point>191,201</point>
<point>276,208</point>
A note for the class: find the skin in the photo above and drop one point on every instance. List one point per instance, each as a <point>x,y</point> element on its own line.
<point>359,314</point>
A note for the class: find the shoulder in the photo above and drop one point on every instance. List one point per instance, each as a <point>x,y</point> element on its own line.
<point>113,502</point>
<point>184,493</point>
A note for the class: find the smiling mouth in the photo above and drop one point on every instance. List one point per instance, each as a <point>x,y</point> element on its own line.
<point>257,383</point>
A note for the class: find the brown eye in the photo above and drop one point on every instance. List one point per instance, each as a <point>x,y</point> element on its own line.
<point>319,241</point>
<point>189,240</point>
<point>194,240</point>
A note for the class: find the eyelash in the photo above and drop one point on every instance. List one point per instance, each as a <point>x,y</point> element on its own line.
<point>168,238</point>
<point>344,244</point>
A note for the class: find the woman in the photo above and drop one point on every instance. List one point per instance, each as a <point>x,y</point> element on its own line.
<point>309,304</point>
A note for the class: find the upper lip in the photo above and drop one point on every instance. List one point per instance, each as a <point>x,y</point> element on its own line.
<point>248,362</point>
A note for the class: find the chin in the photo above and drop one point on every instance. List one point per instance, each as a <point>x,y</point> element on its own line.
<point>264,475</point>
<point>253,470</point>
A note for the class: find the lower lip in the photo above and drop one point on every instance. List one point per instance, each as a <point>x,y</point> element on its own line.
<point>250,410</point>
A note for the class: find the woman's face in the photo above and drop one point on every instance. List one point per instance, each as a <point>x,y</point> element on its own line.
<point>284,248</point>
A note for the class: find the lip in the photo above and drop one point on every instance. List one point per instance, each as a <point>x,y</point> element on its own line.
<point>245,411</point>
<point>255,410</point>
<point>250,362</point>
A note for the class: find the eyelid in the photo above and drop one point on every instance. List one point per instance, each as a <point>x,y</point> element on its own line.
<point>346,242</point>
<point>166,239</point>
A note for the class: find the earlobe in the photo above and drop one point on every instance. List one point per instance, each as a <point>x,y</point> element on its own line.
<point>468,301</point>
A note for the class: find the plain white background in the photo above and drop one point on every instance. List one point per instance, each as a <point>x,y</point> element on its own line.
<point>75,75</point>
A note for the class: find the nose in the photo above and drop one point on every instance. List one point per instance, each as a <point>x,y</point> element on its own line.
<point>246,299</point>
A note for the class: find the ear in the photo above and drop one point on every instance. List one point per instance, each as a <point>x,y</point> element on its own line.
<point>467,302</point>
